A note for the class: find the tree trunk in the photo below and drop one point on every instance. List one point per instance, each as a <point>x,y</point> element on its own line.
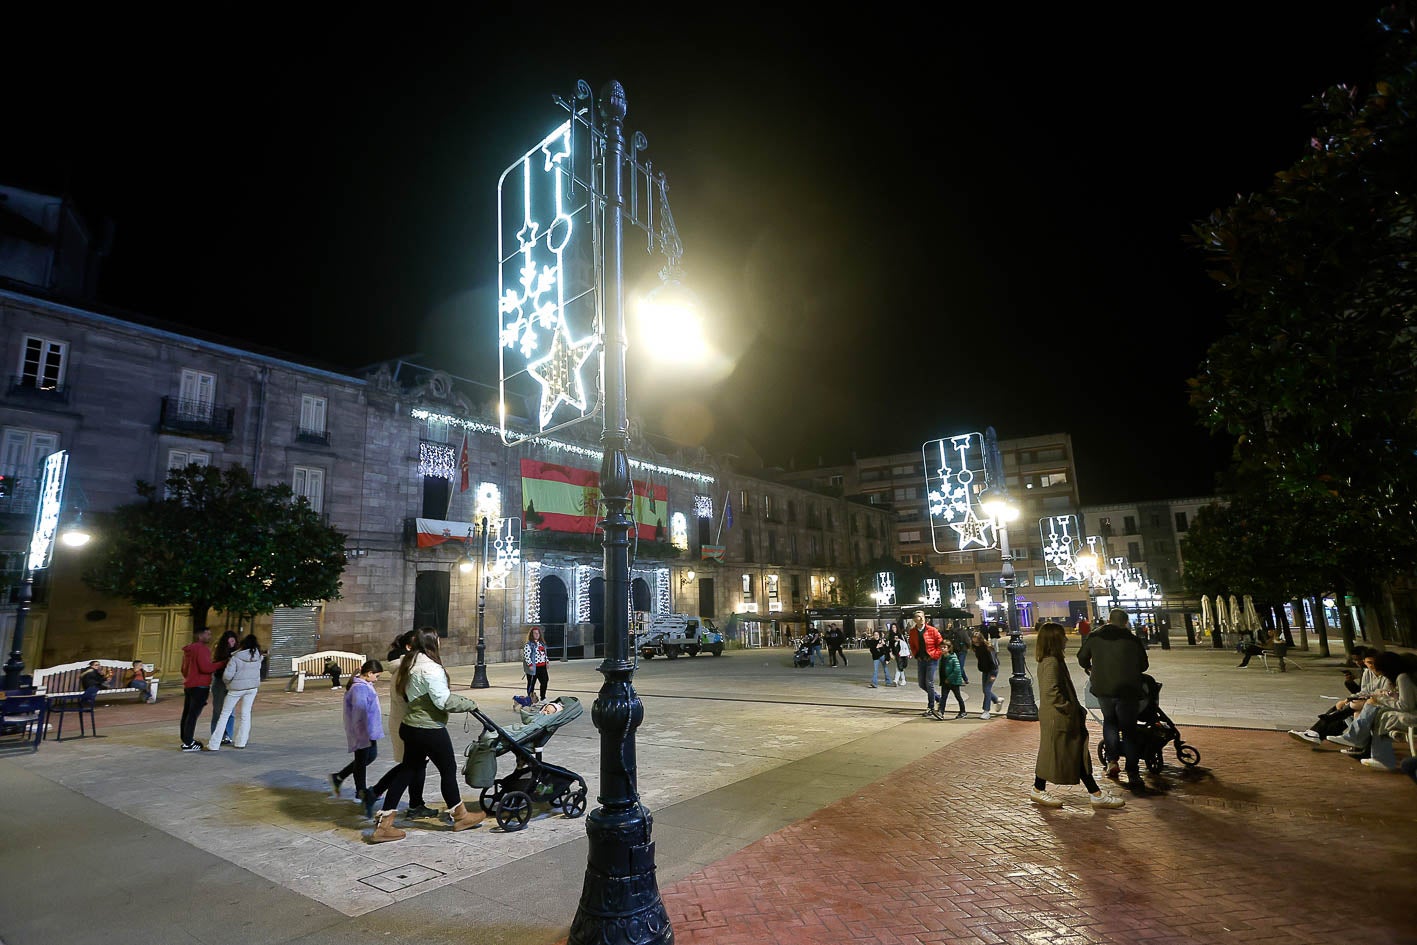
<point>1283,620</point>
<point>1345,618</point>
<point>1373,618</point>
<point>200,608</point>
<point>1323,625</point>
<point>1298,606</point>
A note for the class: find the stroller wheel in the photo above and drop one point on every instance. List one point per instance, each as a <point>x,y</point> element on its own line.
<point>1154,762</point>
<point>488,799</point>
<point>513,811</point>
<point>573,803</point>
<point>1102,753</point>
<point>1188,755</point>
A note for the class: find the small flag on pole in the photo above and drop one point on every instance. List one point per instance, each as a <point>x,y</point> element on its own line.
<point>463,464</point>
<point>728,510</point>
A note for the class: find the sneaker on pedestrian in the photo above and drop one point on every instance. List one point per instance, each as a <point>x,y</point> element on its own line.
<point>1375,763</point>
<point>998,701</point>
<point>1308,735</point>
<point>1355,752</point>
<point>935,715</point>
<point>961,714</point>
<point>335,782</point>
<point>422,810</point>
<point>226,740</point>
<point>191,746</point>
<point>1113,769</point>
<point>873,685</point>
<point>1340,740</point>
<point>1107,800</point>
<point>1044,799</point>
<point>985,716</point>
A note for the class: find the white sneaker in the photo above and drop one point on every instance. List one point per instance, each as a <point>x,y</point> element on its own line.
<point>1375,763</point>
<point>984,716</point>
<point>1043,798</point>
<point>1340,740</point>
<point>1107,800</point>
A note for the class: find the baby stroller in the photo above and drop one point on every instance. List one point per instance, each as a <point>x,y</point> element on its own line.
<point>533,781</point>
<point>802,656</point>
<point>1155,730</point>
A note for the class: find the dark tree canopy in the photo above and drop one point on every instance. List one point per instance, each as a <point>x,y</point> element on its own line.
<point>211,538</point>
<point>1317,380</point>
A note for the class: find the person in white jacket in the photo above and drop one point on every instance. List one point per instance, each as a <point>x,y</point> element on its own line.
<point>243,681</point>
<point>424,731</point>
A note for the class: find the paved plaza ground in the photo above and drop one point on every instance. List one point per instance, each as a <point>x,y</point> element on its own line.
<point>789,806</point>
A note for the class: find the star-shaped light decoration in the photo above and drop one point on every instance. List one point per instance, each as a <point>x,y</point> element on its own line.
<point>971,529</point>
<point>559,373</point>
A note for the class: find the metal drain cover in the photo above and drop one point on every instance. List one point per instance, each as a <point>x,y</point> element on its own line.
<point>401,877</point>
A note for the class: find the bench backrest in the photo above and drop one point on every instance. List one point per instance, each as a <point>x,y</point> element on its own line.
<point>63,680</point>
<point>314,663</point>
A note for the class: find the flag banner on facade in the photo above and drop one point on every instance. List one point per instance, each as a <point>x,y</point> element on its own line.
<point>435,531</point>
<point>712,552</point>
<point>463,464</point>
<point>567,499</point>
<point>728,510</point>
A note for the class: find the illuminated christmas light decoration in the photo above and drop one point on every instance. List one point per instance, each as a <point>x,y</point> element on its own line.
<point>418,413</point>
<point>488,503</point>
<point>985,600</point>
<point>534,286</point>
<point>932,591</point>
<point>679,531</point>
<point>584,575</point>
<point>437,461</point>
<point>533,592</point>
<point>885,589</point>
<point>505,565</point>
<point>955,470</point>
<point>703,506</point>
<point>1061,546</point>
<point>957,598</point>
<point>662,591</point>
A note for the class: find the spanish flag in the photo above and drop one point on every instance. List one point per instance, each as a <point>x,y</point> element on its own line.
<point>568,499</point>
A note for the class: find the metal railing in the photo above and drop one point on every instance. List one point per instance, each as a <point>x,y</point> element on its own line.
<point>196,417</point>
<point>24,385</point>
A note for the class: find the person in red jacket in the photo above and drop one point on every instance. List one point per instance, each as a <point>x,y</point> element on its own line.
<point>927,646</point>
<point>197,669</point>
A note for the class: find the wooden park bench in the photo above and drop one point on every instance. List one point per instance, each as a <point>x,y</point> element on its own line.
<point>314,665</point>
<point>63,680</point>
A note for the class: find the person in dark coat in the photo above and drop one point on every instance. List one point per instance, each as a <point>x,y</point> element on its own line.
<point>834,639</point>
<point>1063,757</point>
<point>1116,660</point>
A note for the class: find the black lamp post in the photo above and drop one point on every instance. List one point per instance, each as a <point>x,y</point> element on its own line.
<point>479,673</point>
<point>15,665</point>
<point>997,503</point>
<point>620,899</point>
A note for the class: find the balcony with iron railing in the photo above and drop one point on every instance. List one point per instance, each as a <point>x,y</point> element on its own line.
<point>315,437</point>
<point>37,390</point>
<point>196,418</point>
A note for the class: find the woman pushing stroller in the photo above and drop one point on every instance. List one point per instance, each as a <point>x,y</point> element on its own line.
<point>424,732</point>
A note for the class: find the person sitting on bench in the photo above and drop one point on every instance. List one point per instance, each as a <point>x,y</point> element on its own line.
<point>332,670</point>
<point>138,679</point>
<point>95,677</point>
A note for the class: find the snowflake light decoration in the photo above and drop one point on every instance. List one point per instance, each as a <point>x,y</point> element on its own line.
<point>953,466</point>
<point>1059,534</point>
<point>932,591</point>
<point>543,332</point>
<point>703,506</point>
<point>957,598</point>
<point>885,588</point>
<point>506,556</point>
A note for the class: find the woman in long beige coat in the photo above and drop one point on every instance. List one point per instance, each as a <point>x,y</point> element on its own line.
<point>1062,745</point>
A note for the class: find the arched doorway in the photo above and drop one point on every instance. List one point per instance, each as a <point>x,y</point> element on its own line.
<point>640,596</point>
<point>596,591</point>
<point>553,613</point>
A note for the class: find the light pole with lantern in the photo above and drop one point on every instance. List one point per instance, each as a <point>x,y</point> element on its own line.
<point>999,506</point>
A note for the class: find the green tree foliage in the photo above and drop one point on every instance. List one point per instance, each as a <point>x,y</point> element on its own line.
<point>213,539</point>
<point>1317,378</point>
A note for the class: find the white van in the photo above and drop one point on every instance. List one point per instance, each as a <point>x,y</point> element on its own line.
<point>671,634</point>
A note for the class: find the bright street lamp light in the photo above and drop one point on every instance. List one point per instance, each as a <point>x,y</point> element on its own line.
<point>670,323</point>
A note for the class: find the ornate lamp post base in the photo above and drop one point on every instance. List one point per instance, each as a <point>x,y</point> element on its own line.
<point>1022,707</point>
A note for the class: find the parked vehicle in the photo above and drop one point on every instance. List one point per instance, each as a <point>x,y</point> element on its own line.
<point>669,635</point>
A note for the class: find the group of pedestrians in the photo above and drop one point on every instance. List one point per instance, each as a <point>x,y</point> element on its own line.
<point>937,656</point>
<point>230,679</point>
<point>421,701</point>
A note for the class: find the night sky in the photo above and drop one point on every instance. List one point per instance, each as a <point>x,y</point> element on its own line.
<point>902,230</point>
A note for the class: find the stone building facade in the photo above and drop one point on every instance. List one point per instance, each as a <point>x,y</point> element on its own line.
<point>381,457</point>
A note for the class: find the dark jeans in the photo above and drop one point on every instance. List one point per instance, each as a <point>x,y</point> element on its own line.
<point>415,785</point>
<point>954,689</point>
<point>539,677</point>
<point>363,758</point>
<point>420,746</point>
<point>1119,722</point>
<point>925,676</point>
<point>194,700</point>
<point>833,651</point>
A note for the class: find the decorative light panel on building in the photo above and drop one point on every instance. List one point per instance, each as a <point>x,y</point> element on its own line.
<point>703,506</point>
<point>488,504</point>
<point>955,474</point>
<point>957,598</point>
<point>679,531</point>
<point>504,561</point>
<point>1059,534</point>
<point>885,589</point>
<point>932,591</point>
<point>546,282</point>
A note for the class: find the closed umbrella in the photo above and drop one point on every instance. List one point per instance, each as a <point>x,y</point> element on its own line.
<point>1207,618</point>
<point>1252,619</point>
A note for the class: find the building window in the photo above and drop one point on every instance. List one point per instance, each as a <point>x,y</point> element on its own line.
<point>903,471</point>
<point>792,548</point>
<point>1105,524</point>
<point>908,537</point>
<point>829,520</point>
<point>767,507</point>
<point>197,395</point>
<point>42,363</point>
<point>312,418</point>
<point>743,500</point>
<point>1053,479</point>
<point>1181,523</point>
<point>310,482</point>
<point>748,555</point>
<point>22,454</point>
<point>1129,525</point>
<point>1133,551</point>
<point>437,431</point>
<point>903,494</point>
<point>747,587</point>
<point>1155,520</point>
<point>772,546</point>
<point>181,459</point>
<point>791,511</point>
<point>838,481</point>
<point>1158,546</point>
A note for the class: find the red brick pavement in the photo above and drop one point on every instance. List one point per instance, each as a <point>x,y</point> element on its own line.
<point>1241,849</point>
